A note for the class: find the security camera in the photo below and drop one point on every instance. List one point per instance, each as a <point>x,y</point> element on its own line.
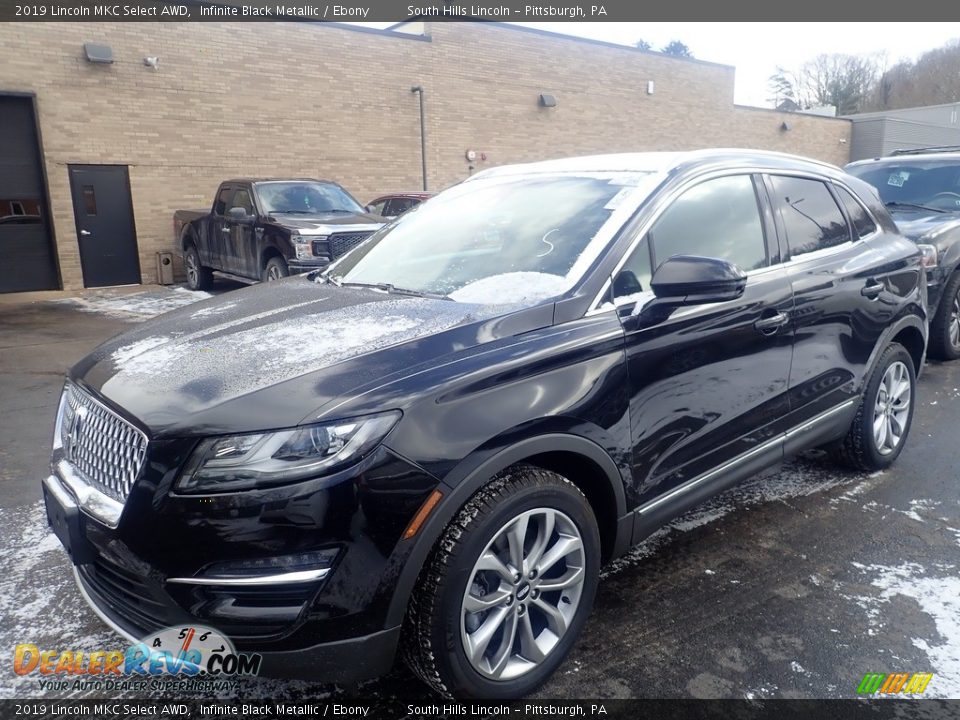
<point>152,62</point>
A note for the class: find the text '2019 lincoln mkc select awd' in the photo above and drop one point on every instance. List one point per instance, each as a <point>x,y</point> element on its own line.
<point>429,449</point>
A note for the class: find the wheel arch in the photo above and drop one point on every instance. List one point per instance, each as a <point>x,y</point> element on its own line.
<point>582,461</point>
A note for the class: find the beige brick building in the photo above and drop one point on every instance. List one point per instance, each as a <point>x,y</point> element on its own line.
<point>298,99</point>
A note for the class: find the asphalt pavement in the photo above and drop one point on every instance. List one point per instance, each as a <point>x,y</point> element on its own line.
<point>793,585</point>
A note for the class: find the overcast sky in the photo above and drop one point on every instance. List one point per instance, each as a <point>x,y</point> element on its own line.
<point>756,49</point>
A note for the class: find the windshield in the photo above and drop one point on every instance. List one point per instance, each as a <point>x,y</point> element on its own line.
<point>932,183</point>
<point>301,197</point>
<point>500,240</point>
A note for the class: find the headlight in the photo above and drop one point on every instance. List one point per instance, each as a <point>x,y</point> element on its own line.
<point>244,462</point>
<point>303,244</point>
<point>929,259</point>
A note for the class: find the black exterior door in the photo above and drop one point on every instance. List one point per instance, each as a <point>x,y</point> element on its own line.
<point>105,231</point>
<point>26,249</point>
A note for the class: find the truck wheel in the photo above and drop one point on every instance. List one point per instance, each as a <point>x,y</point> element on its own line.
<point>507,589</point>
<point>275,269</point>
<point>945,327</point>
<point>198,276</point>
<point>882,423</point>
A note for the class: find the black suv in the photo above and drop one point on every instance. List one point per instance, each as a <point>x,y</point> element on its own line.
<point>921,189</point>
<point>435,444</point>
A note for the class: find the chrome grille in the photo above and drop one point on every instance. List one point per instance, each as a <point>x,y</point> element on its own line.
<point>106,450</point>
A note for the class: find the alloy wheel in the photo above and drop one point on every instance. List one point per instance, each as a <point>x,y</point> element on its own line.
<point>523,593</point>
<point>892,408</point>
<point>193,272</point>
<point>273,273</point>
<point>955,322</point>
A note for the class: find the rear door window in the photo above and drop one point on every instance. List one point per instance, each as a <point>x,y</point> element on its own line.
<point>863,224</point>
<point>811,217</point>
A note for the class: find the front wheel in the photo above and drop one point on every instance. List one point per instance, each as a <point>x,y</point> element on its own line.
<point>275,269</point>
<point>945,327</point>
<point>882,423</point>
<point>507,589</point>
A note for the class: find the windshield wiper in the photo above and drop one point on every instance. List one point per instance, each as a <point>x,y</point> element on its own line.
<point>293,212</point>
<point>388,287</point>
<point>917,206</point>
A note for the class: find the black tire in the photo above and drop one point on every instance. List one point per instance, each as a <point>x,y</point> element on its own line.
<point>859,449</point>
<point>432,645</point>
<point>275,269</point>
<point>199,277</point>
<point>944,340</point>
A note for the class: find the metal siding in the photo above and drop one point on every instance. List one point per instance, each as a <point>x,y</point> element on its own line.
<point>866,139</point>
<point>901,134</point>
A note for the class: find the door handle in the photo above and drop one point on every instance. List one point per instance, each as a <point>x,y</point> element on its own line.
<point>85,232</point>
<point>769,325</point>
<point>872,289</point>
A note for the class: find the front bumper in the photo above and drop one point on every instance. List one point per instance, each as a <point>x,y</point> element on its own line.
<point>307,264</point>
<point>148,572</point>
<point>343,661</point>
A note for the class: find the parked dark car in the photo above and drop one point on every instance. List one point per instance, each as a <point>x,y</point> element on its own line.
<point>391,206</point>
<point>266,229</point>
<point>434,445</point>
<point>921,189</point>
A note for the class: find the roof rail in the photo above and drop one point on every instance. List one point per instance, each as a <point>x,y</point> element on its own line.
<point>927,150</point>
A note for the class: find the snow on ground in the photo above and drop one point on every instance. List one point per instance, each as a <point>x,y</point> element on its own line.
<point>939,598</point>
<point>796,479</point>
<point>135,306</point>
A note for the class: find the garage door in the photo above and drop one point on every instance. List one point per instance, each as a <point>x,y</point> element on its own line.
<point>26,252</point>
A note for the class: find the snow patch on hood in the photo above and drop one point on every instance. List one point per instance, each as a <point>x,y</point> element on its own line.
<point>244,356</point>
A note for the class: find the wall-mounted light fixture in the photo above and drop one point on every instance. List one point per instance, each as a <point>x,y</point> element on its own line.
<point>547,100</point>
<point>784,126</point>
<point>152,62</point>
<point>98,53</point>
<point>650,87</point>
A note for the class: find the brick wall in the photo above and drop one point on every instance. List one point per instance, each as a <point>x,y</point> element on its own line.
<point>304,100</point>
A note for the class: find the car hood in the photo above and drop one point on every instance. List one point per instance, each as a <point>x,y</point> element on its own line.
<point>924,226</point>
<point>275,354</point>
<point>329,222</point>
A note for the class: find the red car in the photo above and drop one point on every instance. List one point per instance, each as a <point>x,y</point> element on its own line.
<point>389,206</point>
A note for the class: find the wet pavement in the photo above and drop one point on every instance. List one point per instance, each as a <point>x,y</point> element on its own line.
<point>794,584</point>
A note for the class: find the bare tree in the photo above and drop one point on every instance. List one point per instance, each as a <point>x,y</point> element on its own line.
<point>844,81</point>
<point>933,79</point>
<point>642,44</point>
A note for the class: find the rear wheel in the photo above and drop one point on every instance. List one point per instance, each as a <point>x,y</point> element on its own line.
<point>945,327</point>
<point>275,269</point>
<point>885,413</point>
<point>507,589</point>
<point>198,276</point>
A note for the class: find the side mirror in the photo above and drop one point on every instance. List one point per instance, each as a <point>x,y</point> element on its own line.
<point>692,280</point>
<point>370,209</point>
<point>237,213</point>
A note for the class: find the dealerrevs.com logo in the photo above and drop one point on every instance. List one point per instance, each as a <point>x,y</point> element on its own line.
<point>894,683</point>
<point>173,654</point>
